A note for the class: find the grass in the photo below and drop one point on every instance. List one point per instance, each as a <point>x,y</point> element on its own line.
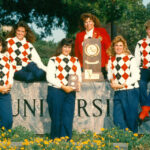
<point>80,141</point>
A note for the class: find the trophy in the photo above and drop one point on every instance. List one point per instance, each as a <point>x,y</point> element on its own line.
<point>73,81</point>
<point>92,60</point>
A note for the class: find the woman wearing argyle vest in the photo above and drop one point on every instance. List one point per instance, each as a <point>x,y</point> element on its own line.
<point>124,75</point>
<point>23,56</point>
<point>6,81</point>
<point>142,55</point>
<point>61,97</point>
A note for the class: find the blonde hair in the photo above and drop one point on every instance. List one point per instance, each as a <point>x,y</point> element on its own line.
<point>147,24</point>
<point>119,38</point>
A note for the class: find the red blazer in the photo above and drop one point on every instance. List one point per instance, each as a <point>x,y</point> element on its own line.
<point>105,43</point>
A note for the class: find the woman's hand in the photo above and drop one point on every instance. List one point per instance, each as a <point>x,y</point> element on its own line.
<point>5,89</point>
<point>116,86</point>
<point>67,89</point>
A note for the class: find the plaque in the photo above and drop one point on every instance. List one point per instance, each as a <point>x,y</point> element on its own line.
<point>73,81</point>
<point>92,60</point>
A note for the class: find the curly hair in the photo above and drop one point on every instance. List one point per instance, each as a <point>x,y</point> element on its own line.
<point>65,41</point>
<point>85,16</point>
<point>119,38</point>
<point>4,45</point>
<point>29,34</point>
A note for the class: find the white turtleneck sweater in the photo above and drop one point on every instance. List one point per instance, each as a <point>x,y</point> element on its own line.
<point>59,68</point>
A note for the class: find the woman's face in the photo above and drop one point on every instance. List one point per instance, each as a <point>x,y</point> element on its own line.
<point>88,24</point>
<point>148,32</point>
<point>66,50</point>
<point>119,48</point>
<point>1,47</point>
<point>20,33</point>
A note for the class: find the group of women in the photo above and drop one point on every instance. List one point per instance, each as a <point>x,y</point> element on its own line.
<point>20,60</point>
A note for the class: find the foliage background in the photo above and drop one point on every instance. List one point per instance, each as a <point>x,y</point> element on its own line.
<point>123,17</point>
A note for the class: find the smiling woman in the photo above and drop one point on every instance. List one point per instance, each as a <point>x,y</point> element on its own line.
<point>25,60</point>
<point>124,74</point>
<point>20,33</point>
<point>61,96</point>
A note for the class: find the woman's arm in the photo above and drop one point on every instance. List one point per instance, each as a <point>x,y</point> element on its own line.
<point>137,55</point>
<point>36,59</point>
<point>135,72</point>
<point>50,74</point>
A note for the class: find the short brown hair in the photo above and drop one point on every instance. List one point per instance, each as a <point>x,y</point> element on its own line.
<point>65,41</point>
<point>119,38</point>
<point>84,16</point>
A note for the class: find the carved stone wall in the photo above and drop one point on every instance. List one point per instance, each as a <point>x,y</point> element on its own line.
<point>93,110</point>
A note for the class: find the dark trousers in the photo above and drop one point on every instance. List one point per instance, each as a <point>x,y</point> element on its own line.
<point>61,109</point>
<point>125,113</point>
<point>6,119</point>
<point>144,95</point>
<point>30,73</point>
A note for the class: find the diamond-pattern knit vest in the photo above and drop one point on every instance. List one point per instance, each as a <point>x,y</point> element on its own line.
<point>64,67</point>
<point>121,69</point>
<point>144,46</point>
<point>20,53</point>
<point>4,69</point>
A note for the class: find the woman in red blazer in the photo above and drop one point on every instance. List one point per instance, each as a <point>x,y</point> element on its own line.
<point>90,28</point>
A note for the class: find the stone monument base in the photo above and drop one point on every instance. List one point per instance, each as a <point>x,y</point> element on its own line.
<point>93,108</point>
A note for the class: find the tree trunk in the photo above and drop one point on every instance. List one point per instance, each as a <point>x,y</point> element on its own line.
<point>113,30</point>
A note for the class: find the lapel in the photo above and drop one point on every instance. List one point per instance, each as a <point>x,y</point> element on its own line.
<point>97,34</point>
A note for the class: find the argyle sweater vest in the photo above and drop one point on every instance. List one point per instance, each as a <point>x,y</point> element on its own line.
<point>4,69</point>
<point>64,67</point>
<point>121,72</point>
<point>20,52</point>
<point>144,47</point>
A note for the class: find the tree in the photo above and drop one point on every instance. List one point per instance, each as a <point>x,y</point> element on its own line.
<point>60,13</point>
<point>131,25</point>
<point>49,14</point>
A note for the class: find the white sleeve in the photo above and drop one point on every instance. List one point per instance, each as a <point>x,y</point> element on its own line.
<point>50,74</point>
<point>79,71</point>
<point>36,59</point>
<point>11,75</point>
<point>137,55</point>
<point>135,72</point>
<point>109,70</point>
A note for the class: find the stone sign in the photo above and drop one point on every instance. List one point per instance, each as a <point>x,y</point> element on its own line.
<point>93,109</point>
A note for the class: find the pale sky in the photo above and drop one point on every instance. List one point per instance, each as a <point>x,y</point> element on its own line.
<point>57,35</point>
<point>145,2</point>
